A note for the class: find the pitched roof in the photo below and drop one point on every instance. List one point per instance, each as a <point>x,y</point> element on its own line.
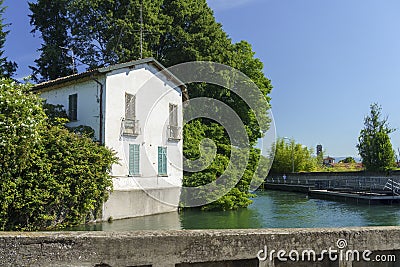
<point>92,73</point>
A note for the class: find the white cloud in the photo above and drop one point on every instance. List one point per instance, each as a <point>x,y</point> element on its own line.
<point>227,4</point>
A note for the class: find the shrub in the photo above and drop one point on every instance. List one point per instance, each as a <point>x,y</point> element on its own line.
<point>49,177</point>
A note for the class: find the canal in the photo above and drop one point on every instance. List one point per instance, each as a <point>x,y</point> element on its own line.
<point>270,209</point>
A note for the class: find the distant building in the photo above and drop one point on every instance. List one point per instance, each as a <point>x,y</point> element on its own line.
<point>319,150</point>
<point>328,161</point>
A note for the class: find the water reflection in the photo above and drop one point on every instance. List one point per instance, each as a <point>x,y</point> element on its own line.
<point>270,209</point>
<point>296,210</point>
<point>240,219</point>
<point>292,210</point>
<point>165,221</point>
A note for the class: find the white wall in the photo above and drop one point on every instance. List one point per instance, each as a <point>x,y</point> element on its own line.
<point>148,193</point>
<point>88,109</point>
<point>153,96</point>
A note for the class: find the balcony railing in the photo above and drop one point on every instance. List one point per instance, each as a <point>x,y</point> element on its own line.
<point>174,132</point>
<point>130,127</point>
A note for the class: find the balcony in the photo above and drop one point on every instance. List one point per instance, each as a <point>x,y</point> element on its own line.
<point>174,133</point>
<point>130,127</point>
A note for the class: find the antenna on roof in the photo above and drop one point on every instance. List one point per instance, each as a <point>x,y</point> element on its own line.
<point>72,57</point>
<point>141,29</point>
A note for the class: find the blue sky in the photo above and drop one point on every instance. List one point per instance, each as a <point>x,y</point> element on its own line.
<point>328,61</point>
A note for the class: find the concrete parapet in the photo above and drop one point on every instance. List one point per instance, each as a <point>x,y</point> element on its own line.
<point>195,247</point>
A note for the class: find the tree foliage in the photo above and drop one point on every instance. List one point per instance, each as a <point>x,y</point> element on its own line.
<point>348,160</point>
<point>374,144</point>
<point>175,31</point>
<point>49,177</point>
<point>7,67</point>
<point>292,153</point>
<point>50,19</point>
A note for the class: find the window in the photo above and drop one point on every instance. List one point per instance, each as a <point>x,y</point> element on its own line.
<point>130,109</point>
<point>73,107</point>
<point>173,115</point>
<point>174,132</point>
<point>130,124</point>
<point>134,159</point>
<point>162,160</point>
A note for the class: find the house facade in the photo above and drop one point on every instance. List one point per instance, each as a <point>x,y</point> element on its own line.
<point>135,109</point>
<point>329,161</point>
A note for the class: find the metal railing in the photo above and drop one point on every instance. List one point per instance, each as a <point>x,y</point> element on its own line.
<point>392,186</point>
<point>130,127</point>
<point>174,132</point>
<point>365,184</point>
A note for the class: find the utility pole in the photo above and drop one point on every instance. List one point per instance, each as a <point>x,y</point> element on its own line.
<point>141,29</point>
<point>292,145</point>
<point>72,57</point>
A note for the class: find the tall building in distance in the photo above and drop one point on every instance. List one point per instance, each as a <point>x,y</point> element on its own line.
<point>319,150</point>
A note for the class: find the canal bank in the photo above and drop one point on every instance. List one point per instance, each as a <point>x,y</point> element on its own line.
<point>358,187</point>
<point>370,198</point>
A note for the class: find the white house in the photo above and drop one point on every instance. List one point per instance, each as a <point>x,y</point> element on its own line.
<point>135,109</point>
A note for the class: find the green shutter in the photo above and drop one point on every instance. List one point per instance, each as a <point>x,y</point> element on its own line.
<point>159,160</point>
<point>162,160</point>
<point>134,159</point>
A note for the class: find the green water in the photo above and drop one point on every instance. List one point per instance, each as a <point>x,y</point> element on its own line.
<point>270,209</point>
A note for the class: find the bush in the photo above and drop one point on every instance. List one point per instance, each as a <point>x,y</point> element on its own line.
<point>49,177</point>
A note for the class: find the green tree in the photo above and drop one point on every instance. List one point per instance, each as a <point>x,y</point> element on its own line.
<point>292,154</point>
<point>49,17</point>
<point>193,34</point>
<point>374,144</point>
<point>348,160</point>
<point>108,32</point>
<point>7,68</point>
<point>320,159</point>
<point>49,177</point>
<point>176,31</point>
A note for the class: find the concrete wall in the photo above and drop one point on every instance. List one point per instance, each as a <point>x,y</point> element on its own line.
<point>191,248</point>
<point>288,187</point>
<point>322,180</point>
<point>132,199</point>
